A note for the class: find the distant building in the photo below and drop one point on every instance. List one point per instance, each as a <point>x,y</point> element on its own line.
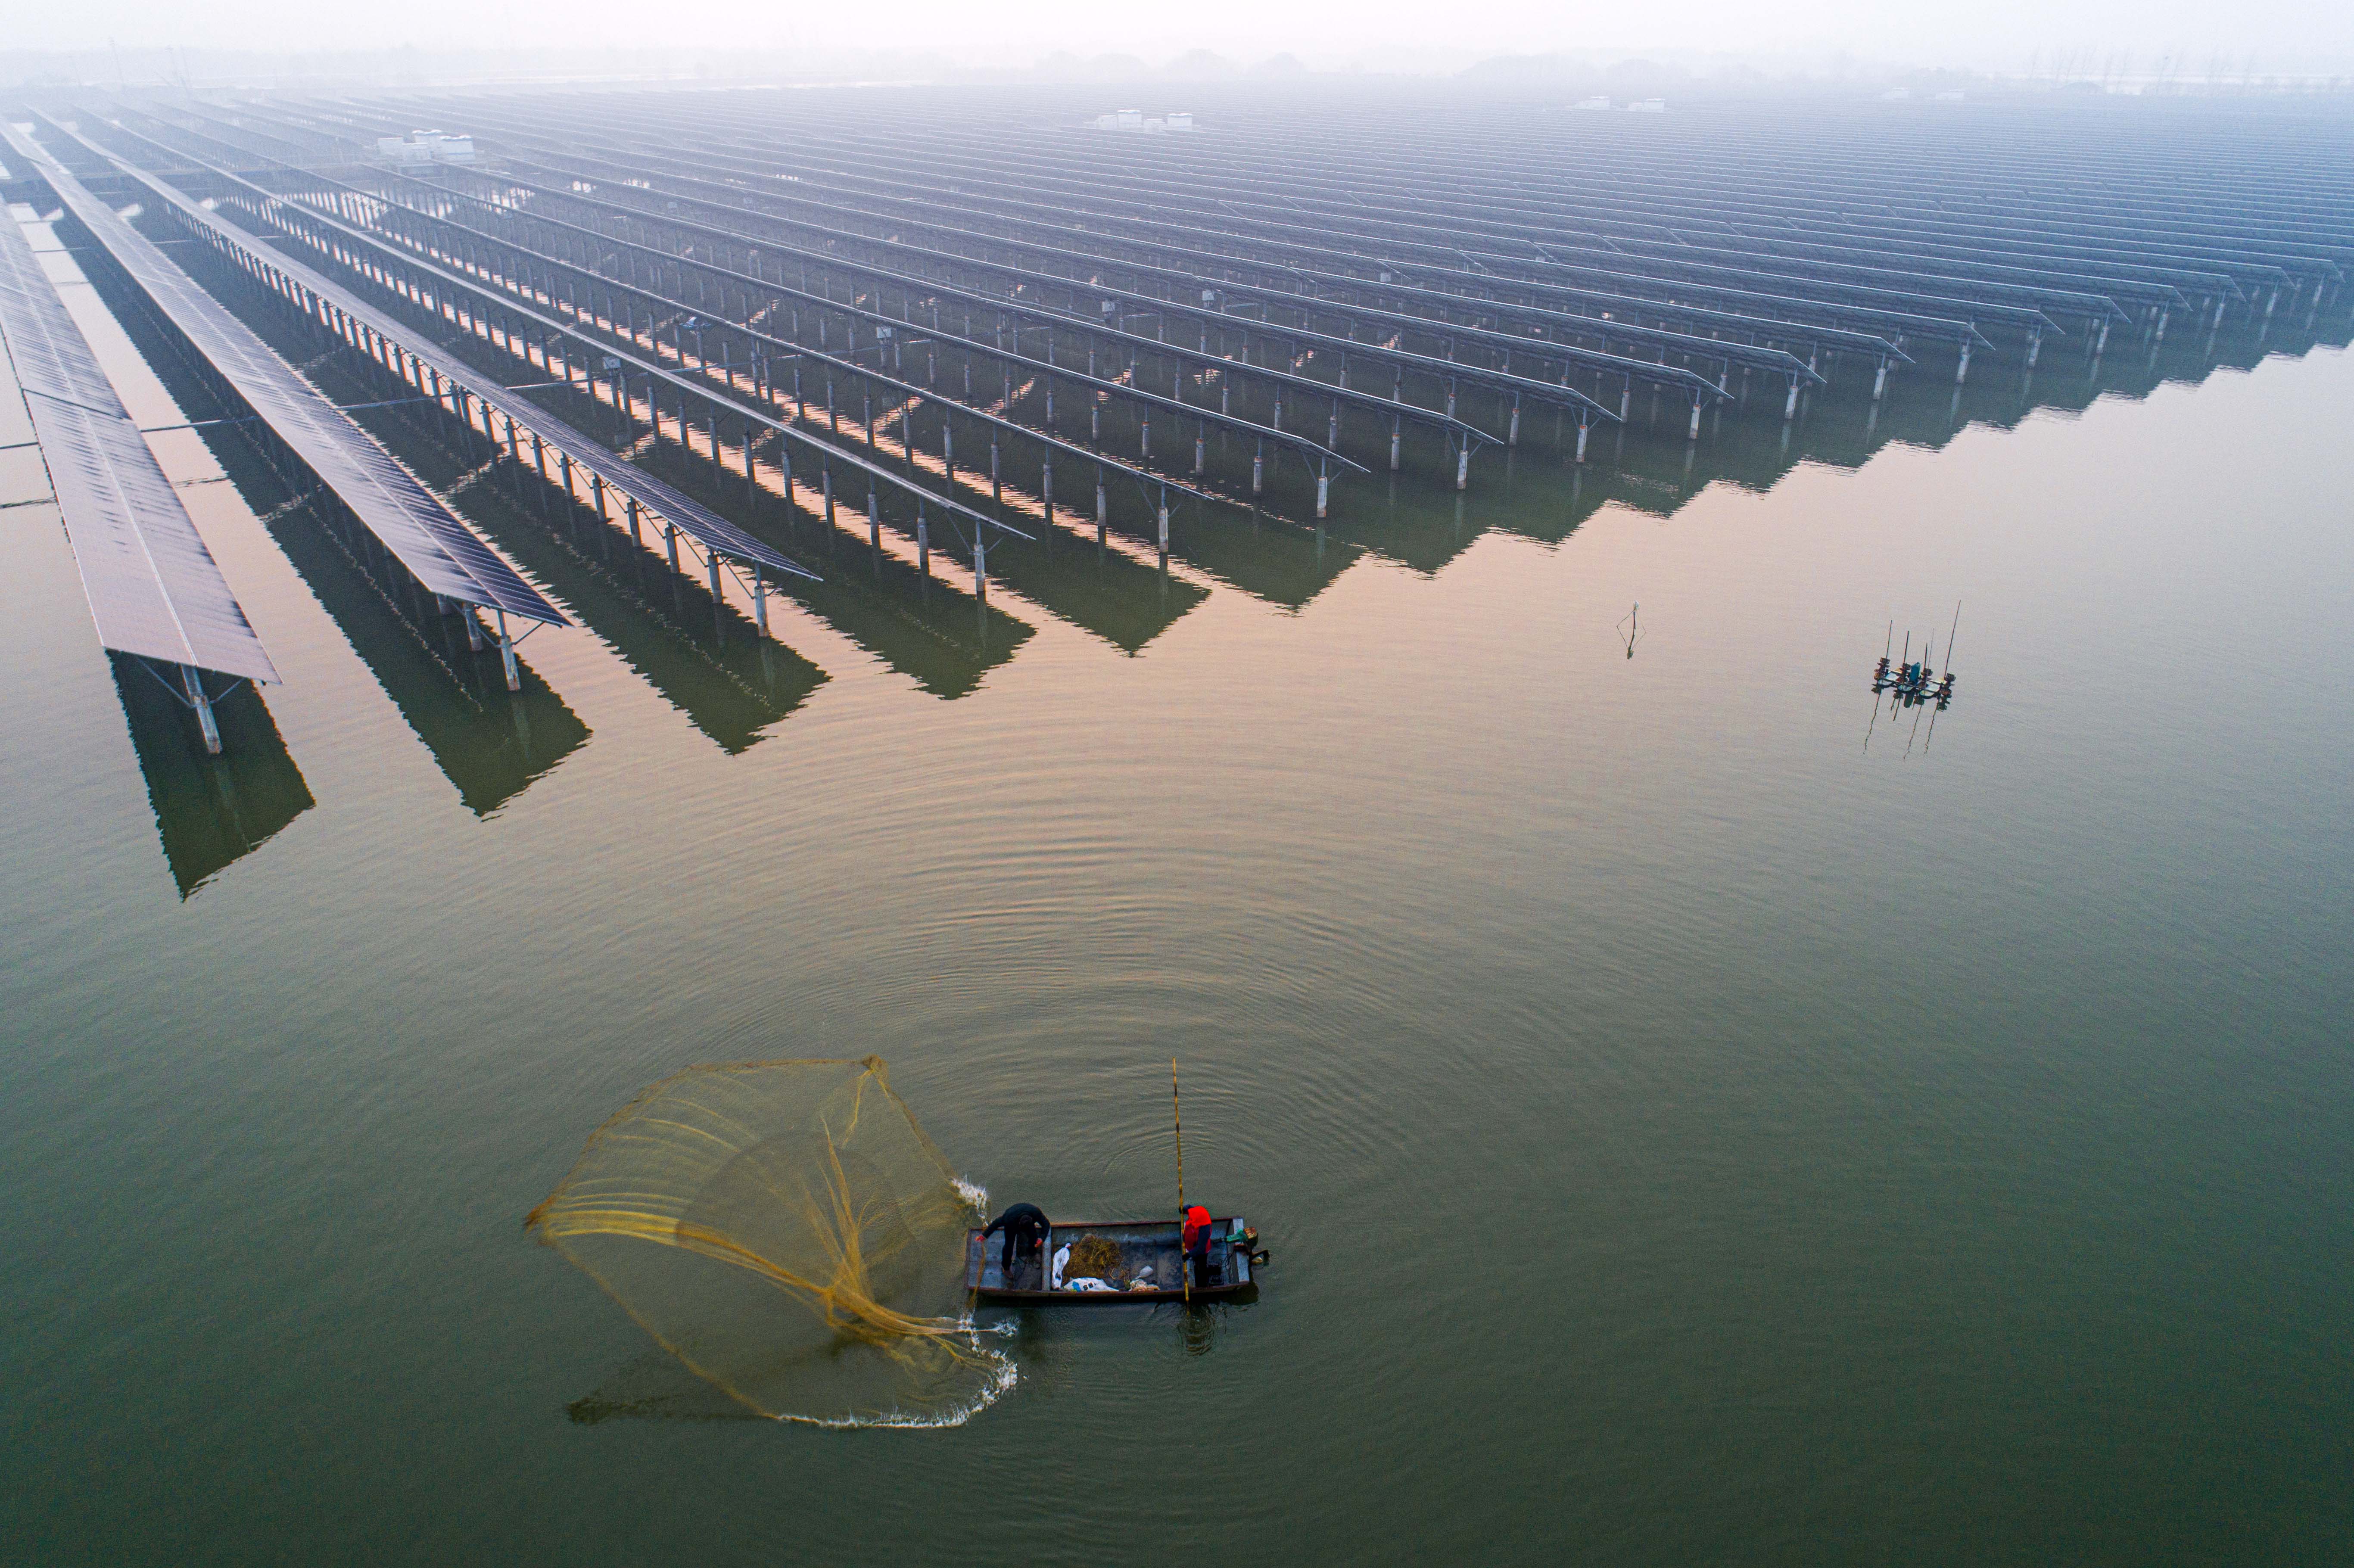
<point>1599,101</point>
<point>1954,97</point>
<point>1134,119</point>
<point>424,147</point>
<point>1647,106</point>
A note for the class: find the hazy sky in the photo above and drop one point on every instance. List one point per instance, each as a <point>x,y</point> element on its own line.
<point>2300,35</point>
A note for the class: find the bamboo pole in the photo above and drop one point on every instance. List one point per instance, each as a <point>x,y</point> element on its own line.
<point>1177,1121</point>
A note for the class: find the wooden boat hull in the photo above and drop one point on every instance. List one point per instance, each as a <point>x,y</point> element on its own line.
<point>1156,1243</point>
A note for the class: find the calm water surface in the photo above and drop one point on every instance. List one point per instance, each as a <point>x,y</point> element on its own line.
<point>1693,1121</point>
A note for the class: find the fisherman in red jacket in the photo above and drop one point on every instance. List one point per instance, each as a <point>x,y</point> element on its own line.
<point>1197,1243</point>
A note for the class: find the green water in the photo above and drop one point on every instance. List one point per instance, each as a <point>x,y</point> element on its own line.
<point>1693,1120</point>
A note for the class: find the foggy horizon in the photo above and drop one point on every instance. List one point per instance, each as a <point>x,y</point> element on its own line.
<point>2100,40</point>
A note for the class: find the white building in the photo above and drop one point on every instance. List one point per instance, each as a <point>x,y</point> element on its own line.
<point>1134,119</point>
<point>424,147</point>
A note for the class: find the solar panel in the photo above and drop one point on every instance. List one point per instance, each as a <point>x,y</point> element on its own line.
<point>153,589</point>
<point>694,519</point>
<point>388,499</point>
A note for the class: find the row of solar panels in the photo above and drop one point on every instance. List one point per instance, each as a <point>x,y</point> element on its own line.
<point>154,589</point>
<point>444,556</point>
<point>696,520</point>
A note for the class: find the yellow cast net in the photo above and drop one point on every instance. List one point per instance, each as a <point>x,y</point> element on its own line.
<point>788,1232</point>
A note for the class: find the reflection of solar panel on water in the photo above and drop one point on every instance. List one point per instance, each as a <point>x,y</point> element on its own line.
<point>210,810</point>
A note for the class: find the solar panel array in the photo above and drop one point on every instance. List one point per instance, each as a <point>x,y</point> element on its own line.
<point>1428,239</point>
<point>1434,259</point>
<point>153,589</point>
<point>696,520</point>
<point>439,550</point>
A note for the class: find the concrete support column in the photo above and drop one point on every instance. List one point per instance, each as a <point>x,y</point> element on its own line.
<point>192,684</point>
<point>506,656</point>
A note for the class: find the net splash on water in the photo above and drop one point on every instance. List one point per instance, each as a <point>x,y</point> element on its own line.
<point>789,1233</point>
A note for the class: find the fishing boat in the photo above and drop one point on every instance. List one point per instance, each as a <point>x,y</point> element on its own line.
<point>1149,1261</point>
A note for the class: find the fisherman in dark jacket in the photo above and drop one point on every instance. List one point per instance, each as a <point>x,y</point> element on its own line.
<point>1026,1227</point>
